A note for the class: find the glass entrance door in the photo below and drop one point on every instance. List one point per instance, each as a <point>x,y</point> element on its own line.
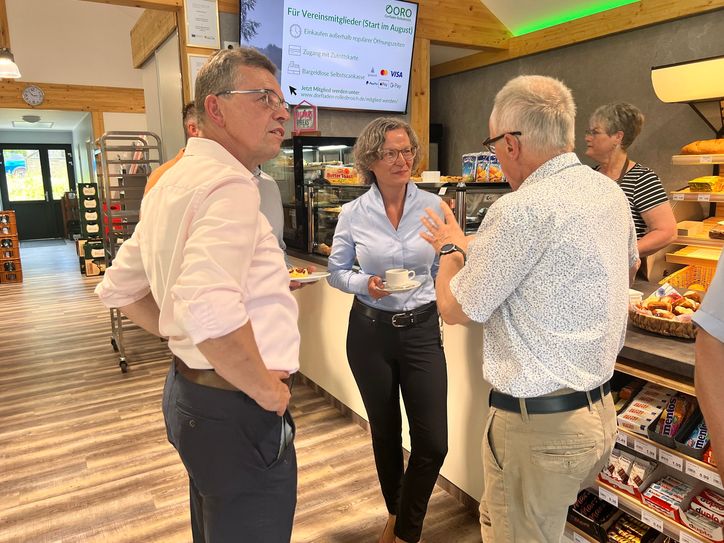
<point>33,179</point>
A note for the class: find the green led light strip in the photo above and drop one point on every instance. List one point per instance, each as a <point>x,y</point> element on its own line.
<point>571,15</point>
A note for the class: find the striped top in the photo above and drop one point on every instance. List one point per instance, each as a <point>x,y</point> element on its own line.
<point>644,191</point>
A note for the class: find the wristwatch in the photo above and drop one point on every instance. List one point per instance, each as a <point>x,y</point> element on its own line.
<point>452,248</point>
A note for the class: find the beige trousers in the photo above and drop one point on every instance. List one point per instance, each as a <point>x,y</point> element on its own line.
<point>535,465</point>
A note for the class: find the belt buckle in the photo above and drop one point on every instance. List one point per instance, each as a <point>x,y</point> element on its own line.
<point>409,320</point>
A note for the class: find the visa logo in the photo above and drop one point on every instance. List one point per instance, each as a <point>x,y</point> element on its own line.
<point>396,73</point>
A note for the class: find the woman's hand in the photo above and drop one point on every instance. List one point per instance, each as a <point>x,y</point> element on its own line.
<point>439,231</point>
<point>375,286</point>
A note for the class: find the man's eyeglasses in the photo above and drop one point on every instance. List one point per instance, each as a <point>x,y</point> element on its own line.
<point>490,142</point>
<point>271,99</point>
<point>390,155</point>
<point>593,132</point>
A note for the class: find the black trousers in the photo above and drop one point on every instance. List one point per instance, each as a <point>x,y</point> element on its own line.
<point>384,361</point>
<point>242,468</point>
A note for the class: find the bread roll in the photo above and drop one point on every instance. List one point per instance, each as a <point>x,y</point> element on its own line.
<point>681,310</point>
<point>662,313</point>
<point>704,147</point>
<point>658,304</point>
<point>693,295</point>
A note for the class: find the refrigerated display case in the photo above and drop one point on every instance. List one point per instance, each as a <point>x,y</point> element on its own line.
<point>300,165</point>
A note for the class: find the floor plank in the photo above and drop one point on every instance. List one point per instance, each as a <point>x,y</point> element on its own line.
<point>83,450</point>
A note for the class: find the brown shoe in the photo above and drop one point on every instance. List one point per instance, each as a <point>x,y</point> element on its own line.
<point>388,534</point>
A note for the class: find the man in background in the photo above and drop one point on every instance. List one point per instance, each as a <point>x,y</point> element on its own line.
<point>191,130</point>
<point>204,269</point>
<point>548,274</point>
<point>709,374</point>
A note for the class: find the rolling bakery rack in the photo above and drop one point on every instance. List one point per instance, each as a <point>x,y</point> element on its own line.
<point>127,159</point>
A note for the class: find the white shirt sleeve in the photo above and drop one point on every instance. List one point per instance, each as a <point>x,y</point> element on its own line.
<point>125,281</point>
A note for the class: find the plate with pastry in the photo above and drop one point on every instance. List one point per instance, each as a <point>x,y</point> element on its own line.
<point>303,275</point>
<point>410,285</point>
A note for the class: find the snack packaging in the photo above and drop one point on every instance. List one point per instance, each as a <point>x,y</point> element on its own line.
<point>699,438</point>
<point>677,410</point>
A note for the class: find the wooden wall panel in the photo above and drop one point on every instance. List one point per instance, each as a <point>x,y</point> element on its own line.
<point>632,16</point>
<point>4,32</point>
<point>75,97</point>
<point>420,108</point>
<point>464,23</point>
<point>149,32</point>
<point>99,126</point>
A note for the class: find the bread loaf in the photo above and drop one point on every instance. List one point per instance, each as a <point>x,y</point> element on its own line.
<point>704,147</point>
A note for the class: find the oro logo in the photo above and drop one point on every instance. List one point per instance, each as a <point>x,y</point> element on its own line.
<point>398,11</point>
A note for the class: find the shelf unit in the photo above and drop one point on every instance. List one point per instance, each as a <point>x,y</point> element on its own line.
<point>696,160</point>
<point>127,159</point>
<point>659,377</point>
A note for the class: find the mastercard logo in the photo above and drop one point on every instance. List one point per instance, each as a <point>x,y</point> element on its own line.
<point>384,72</point>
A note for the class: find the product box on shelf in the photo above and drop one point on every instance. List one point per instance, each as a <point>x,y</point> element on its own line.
<point>703,512</point>
<point>620,475</point>
<point>592,515</point>
<point>672,420</point>
<point>693,439</point>
<point>644,408</point>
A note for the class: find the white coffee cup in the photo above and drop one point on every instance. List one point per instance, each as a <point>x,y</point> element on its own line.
<point>398,277</point>
<point>430,177</point>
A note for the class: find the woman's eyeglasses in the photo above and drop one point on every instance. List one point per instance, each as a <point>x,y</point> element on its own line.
<point>390,155</point>
<point>271,99</point>
<point>593,132</point>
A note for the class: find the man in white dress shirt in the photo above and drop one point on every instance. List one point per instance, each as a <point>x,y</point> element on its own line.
<point>548,274</point>
<point>204,269</point>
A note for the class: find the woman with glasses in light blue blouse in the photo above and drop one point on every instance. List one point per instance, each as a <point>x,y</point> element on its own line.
<point>393,339</point>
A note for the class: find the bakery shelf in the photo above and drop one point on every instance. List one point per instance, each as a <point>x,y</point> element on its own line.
<point>700,256</point>
<point>660,377</point>
<point>697,233</point>
<point>635,508</point>
<point>689,196</point>
<point>696,160</point>
<point>671,457</point>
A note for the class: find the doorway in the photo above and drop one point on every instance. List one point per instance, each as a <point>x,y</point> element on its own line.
<point>33,180</point>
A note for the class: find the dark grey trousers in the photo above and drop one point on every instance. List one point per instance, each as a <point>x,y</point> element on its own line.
<point>242,466</point>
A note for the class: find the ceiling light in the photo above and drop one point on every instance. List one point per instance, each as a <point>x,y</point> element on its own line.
<point>35,125</point>
<point>693,81</point>
<point>8,68</point>
<point>31,118</point>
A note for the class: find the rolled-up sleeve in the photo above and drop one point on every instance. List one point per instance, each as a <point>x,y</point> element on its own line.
<point>125,281</point>
<point>208,301</point>
<point>342,259</point>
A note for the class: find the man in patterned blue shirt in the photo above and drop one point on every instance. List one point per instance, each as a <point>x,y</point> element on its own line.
<point>548,273</point>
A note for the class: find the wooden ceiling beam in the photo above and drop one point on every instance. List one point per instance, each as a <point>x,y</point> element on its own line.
<point>149,32</point>
<point>464,23</point>
<point>164,5</point>
<point>622,19</point>
<point>75,97</point>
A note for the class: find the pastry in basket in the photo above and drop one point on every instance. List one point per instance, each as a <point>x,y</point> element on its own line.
<point>693,294</point>
<point>663,314</point>
<point>296,273</point>
<point>717,231</point>
<point>704,147</point>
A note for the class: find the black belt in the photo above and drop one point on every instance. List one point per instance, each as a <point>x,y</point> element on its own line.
<point>548,404</point>
<point>402,319</point>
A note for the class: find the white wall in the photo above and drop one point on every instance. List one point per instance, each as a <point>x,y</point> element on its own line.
<point>35,136</point>
<point>132,122</point>
<point>73,42</point>
<point>82,137</point>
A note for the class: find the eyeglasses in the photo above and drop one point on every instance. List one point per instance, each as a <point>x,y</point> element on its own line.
<point>490,142</point>
<point>390,155</point>
<point>593,132</point>
<point>271,99</point>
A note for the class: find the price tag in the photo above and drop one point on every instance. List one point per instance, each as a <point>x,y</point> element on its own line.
<point>706,159</point>
<point>608,496</point>
<point>716,481</point>
<point>700,473</point>
<point>686,538</point>
<point>652,520</point>
<point>578,538</point>
<point>671,460</point>
<point>703,197</point>
<point>677,197</point>
<point>442,191</point>
<point>645,448</point>
<point>622,439</point>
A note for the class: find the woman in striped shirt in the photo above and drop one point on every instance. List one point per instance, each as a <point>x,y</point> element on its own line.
<point>612,129</point>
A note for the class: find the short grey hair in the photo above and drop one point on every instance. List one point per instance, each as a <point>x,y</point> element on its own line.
<point>220,73</point>
<point>621,116</point>
<point>541,108</point>
<point>370,141</point>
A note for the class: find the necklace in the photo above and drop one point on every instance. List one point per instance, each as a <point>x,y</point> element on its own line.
<point>623,170</point>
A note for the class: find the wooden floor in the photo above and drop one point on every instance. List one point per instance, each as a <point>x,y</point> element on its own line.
<point>83,450</point>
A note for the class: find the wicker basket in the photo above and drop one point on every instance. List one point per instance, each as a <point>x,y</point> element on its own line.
<point>690,275</point>
<point>663,327</point>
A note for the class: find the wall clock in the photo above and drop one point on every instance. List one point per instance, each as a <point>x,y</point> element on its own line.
<point>33,95</point>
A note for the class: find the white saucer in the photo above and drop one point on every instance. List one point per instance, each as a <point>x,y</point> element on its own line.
<point>402,288</point>
<point>311,278</point>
